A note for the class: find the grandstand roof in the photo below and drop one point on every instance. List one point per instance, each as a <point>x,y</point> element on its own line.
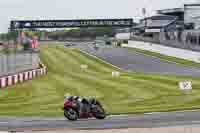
<point>156,22</point>
<point>160,17</point>
<point>171,10</point>
<point>160,21</point>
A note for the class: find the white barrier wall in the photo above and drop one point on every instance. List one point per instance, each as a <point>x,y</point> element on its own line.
<point>169,51</point>
<point>122,36</point>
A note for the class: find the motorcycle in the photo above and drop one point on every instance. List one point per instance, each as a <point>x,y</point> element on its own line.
<point>77,108</point>
<point>96,47</point>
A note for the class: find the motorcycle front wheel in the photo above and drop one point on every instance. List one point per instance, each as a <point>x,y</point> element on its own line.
<point>71,114</point>
<point>99,112</point>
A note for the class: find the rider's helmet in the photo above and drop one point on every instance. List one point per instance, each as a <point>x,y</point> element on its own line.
<point>76,98</point>
<point>85,101</point>
<point>70,98</point>
<point>92,101</point>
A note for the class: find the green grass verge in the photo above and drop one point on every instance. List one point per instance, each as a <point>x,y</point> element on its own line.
<point>1,49</point>
<point>167,58</point>
<point>130,93</point>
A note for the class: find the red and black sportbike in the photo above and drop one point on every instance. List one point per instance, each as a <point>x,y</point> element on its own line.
<point>77,108</point>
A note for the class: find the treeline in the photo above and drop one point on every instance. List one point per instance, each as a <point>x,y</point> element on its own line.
<point>8,36</point>
<point>81,33</point>
<point>14,35</point>
<point>63,34</point>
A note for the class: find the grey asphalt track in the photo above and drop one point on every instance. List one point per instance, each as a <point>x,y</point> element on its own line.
<point>191,119</point>
<point>133,61</point>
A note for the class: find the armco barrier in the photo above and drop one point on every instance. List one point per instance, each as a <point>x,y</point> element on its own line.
<point>20,77</point>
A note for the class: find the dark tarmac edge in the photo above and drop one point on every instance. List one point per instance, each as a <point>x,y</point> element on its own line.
<point>150,120</point>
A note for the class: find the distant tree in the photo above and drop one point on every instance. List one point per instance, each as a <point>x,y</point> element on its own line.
<point>3,36</point>
<point>13,35</point>
<point>82,32</point>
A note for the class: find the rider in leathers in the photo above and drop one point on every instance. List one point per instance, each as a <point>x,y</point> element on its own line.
<point>83,104</point>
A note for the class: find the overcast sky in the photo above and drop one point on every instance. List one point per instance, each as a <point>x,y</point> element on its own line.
<point>80,9</point>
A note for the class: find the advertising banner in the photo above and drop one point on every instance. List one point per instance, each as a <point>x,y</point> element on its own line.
<point>20,24</point>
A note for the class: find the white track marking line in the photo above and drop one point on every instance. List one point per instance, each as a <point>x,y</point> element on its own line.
<point>110,116</point>
<point>2,122</point>
<point>100,60</point>
<point>152,113</point>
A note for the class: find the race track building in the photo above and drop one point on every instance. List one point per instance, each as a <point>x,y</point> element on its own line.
<point>152,26</point>
<point>177,12</point>
<point>189,15</point>
<point>178,27</point>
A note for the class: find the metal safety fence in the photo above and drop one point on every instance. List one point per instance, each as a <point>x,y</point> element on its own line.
<point>18,61</point>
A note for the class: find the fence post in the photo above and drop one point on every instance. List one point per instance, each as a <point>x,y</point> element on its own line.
<point>1,70</point>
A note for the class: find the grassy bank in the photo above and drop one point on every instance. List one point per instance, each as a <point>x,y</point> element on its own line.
<point>1,49</point>
<point>130,93</point>
<point>166,58</point>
